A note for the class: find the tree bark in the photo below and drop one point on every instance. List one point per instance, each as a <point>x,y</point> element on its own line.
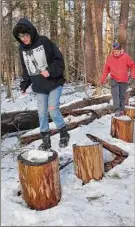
<point>122,129</point>
<point>130,111</point>
<point>93,40</point>
<point>53,20</point>
<point>123,23</point>
<point>77,38</point>
<point>112,148</point>
<point>40,182</point>
<point>120,153</point>
<point>88,162</point>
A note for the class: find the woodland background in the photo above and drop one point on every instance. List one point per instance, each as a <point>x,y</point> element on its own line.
<point>84,30</point>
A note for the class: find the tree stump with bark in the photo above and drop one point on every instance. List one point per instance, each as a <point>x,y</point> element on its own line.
<point>122,128</point>
<point>130,111</point>
<point>40,181</point>
<point>88,162</point>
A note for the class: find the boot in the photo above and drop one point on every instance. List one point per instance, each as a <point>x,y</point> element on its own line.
<point>46,141</point>
<point>64,137</point>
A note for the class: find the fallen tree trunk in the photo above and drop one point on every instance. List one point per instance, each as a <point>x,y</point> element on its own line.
<point>112,148</point>
<point>24,120</point>
<point>15,121</point>
<point>121,155</point>
<point>95,114</point>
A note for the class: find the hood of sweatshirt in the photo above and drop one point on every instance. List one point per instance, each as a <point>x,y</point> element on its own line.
<point>32,31</point>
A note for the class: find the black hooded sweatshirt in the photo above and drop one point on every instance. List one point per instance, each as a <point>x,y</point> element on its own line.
<point>42,54</point>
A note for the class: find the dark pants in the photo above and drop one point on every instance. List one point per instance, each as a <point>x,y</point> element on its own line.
<point>118,90</point>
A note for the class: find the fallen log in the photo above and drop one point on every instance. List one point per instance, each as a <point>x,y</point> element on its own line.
<point>26,139</point>
<point>24,120</point>
<point>112,148</point>
<point>117,160</point>
<point>121,155</point>
<point>15,121</point>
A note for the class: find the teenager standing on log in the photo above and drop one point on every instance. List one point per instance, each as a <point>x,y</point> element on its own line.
<point>117,64</point>
<point>43,67</point>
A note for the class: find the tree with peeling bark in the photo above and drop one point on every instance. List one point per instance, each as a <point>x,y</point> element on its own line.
<point>93,40</point>
<point>123,23</point>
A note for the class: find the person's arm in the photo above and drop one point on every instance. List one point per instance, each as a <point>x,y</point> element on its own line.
<point>57,66</point>
<point>131,66</point>
<point>26,80</point>
<point>106,71</point>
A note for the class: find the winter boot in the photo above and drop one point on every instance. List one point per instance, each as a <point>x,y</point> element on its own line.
<point>64,137</point>
<point>46,141</point>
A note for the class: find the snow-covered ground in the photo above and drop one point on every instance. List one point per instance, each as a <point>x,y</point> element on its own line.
<point>108,202</point>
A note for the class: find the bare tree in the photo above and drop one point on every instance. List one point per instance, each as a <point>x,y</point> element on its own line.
<point>123,23</point>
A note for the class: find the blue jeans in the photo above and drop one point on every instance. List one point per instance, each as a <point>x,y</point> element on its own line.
<point>49,104</point>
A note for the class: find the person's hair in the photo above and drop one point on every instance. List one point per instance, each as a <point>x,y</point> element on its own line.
<point>117,46</point>
<point>22,29</point>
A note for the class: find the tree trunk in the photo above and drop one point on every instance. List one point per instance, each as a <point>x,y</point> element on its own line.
<point>112,148</point>
<point>93,40</point>
<point>122,129</point>
<point>108,33</point>
<point>40,182</point>
<point>64,38</point>
<point>88,162</point>
<point>123,23</point>
<point>53,20</point>
<point>120,153</point>
<point>130,111</point>
<point>77,38</point>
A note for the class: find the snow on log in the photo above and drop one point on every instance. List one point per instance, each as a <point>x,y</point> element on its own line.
<point>112,148</point>
<point>40,179</point>
<point>88,162</point>
<point>26,139</point>
<point>120,153</point>
<point>122,128</point>
<point>130,111</point>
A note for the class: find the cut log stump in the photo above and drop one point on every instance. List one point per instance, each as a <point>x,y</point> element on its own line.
<point>130,111</point>
<point>88,162</point>
<point>40,181</point>
<point>122,128</point>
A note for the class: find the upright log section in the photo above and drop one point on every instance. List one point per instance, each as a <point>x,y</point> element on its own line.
<point>122,128</point>
<point>130,111</point>
<point>88,162</point>
<point>40,182</point>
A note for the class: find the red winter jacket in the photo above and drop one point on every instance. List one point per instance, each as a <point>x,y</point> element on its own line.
<point>118,68</point>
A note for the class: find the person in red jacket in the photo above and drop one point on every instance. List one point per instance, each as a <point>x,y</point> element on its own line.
<point>118,64</point>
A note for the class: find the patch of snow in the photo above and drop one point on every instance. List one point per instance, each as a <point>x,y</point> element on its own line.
<point>110,199</point>
<point>123,118</point>
<point>130,107</point>
<point>37,155</point>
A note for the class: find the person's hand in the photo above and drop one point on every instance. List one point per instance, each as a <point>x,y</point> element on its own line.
<point>101,83</point>
<point>45,73</point>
